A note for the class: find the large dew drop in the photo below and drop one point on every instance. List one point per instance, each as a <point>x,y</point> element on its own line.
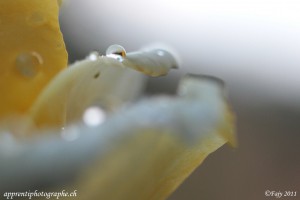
<point>28,64</point>
<point>116,51</point>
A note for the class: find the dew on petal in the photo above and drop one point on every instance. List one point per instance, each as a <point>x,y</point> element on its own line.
<point>116,50</point>
<point>93,56</point>
<point>29,64</point>
<point>94,116</point>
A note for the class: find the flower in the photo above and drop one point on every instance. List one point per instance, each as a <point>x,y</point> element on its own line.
<point>109,148</point>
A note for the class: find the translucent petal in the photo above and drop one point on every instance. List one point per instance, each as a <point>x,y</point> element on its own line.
<point>96,81</point>
<point>143,151</point>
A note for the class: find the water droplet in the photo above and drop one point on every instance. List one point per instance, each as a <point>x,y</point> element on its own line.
<point>93,56</point>
<point>94,116</point>
<point>160,53</point>
<point>28,64</point>
<point>116,50</point>
<point>36,19</point>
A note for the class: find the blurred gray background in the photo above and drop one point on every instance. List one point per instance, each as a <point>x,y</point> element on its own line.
<point>253,45</point>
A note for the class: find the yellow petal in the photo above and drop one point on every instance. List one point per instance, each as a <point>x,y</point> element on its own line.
<point>59,2</point>
<point>32,51</point>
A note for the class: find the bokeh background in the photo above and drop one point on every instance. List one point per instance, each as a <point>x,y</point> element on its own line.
<point>254,45</point>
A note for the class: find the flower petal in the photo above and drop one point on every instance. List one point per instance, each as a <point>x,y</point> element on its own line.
<point>104,81</point>
<point>32,51</point>
<point>143,151</point>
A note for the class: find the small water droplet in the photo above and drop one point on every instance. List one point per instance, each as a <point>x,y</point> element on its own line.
<point>94,116</point>
<point>116,50</point>
<point>29,63</point>
<point>160,53</point>
<point>93,56</point>
<point>36,19</point>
